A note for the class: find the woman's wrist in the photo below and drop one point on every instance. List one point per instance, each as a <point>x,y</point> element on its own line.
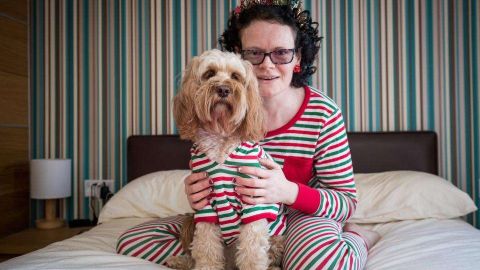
<point>292,192</point>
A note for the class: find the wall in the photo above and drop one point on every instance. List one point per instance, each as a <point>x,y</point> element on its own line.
<point>111,68</point>
<point>14,197</point>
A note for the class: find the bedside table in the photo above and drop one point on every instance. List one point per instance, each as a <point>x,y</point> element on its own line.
<point>32,239</point>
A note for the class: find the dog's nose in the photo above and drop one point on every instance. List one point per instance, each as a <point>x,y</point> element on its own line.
<point>223,91</point>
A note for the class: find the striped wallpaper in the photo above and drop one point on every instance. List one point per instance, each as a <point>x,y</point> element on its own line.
<point>103,70</point>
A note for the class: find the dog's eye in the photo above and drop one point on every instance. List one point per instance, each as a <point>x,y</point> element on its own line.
<point>236,76</point>
<point>207,75</point>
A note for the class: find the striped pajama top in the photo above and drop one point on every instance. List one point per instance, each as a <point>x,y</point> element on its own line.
<point>226,207</point>
<point>314,153</point>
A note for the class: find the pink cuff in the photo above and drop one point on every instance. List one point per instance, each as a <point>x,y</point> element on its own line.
<point>308,199</point>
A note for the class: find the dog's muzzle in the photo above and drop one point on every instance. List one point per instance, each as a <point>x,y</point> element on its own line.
<point>223,91</point>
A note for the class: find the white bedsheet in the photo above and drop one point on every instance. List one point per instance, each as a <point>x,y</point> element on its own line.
<point>94,249</point>
<point>424,244</point>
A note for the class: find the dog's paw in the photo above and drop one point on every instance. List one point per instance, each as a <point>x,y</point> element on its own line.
<point>208,268</point>
<point>275,253</point>
<point>182,262</point>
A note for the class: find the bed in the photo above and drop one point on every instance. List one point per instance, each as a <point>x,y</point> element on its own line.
<point>418,214</point>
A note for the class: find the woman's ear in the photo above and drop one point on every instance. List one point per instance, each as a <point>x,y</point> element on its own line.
<point>298,57</point>
<point>253,128</point>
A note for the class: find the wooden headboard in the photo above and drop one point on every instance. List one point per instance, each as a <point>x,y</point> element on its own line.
<point>371,152</point>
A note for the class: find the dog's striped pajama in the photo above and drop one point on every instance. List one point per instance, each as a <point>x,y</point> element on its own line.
<point>313,152</point>
<point>226,208</point>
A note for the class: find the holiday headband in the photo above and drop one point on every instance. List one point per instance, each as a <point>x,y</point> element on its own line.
<point>295,5</point>
<point>246,4</point>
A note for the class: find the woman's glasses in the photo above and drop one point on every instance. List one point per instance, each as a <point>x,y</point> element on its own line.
<point>278,57</point>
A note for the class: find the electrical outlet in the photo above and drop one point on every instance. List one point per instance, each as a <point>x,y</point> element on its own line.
<point>96,190</point>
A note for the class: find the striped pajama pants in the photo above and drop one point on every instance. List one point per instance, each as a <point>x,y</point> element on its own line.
<point>311,243</point>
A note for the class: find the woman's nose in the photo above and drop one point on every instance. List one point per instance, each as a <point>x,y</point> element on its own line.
<point>267,62</point>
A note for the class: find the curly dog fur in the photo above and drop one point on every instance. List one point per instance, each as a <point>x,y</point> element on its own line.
<point>218,107</point>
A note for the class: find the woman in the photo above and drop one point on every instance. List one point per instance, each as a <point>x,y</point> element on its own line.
<point>313,173</point>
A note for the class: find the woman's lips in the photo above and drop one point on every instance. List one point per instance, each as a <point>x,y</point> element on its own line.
<point>267,78</point>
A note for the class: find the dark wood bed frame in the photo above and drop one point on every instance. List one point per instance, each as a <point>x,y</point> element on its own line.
<point>371,152</point>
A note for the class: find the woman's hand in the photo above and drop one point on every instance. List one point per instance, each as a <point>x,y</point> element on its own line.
<point>198,188</point>
<point>267,186</point>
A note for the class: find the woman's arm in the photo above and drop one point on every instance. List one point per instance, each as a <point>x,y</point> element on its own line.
<point>334,172</point>
<point>333,193</point>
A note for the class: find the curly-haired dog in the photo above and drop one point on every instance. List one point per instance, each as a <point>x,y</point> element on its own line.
<point>219,108</point>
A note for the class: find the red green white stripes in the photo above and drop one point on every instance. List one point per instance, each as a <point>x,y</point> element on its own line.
<point>319,243</point>
<point>226,208</point>
<point>327,198</point>
<point>154,240</point>
<point>317,136</point>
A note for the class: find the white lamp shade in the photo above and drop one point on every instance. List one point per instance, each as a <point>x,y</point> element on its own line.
<point>50,178</point>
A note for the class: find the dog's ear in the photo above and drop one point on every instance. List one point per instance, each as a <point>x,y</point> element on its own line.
<point>253,128</point>
<point>183,104</point>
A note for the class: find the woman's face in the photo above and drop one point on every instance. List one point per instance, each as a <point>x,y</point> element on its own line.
<point>266,36</point>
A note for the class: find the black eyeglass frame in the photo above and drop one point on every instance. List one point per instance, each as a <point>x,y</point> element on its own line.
<point>270,56</point>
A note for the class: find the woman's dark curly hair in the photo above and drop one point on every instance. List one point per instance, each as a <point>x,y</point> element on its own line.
<point>306,33</point>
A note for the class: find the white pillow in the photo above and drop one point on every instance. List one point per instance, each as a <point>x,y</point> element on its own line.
<point>158,194</point>
<point>404,195</point>
<point>383,197</point>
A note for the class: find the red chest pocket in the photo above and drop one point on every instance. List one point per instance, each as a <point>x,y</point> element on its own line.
<point>298,169</point>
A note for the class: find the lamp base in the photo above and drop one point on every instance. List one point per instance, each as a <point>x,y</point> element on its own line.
<point>49,224</point>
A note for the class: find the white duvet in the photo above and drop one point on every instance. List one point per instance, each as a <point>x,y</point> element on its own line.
<point>415,213</point>
<point>423,244</point>
<point>94,249</point>
<point>426,244</point>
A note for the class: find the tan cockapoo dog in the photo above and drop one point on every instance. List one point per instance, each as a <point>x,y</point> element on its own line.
<point>219,109</point>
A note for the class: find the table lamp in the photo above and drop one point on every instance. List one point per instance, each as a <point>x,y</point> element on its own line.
<point>50,179</point>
